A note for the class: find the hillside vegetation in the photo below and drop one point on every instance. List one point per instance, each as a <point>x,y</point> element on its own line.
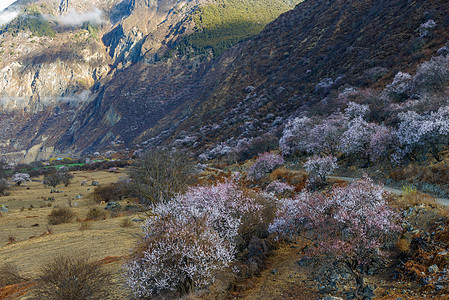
<point>227,22</point>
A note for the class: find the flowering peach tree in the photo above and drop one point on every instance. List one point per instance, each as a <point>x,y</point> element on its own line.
<point>349,224</point>
<point>265,163</point>
<point>188,239</point>
<point>319,167</point>
<point>19,178</point>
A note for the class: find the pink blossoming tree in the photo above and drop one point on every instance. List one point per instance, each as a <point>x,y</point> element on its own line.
<point>319,167</point>
<point>188,239</point>
<point>265,163</point>
<point>350,224</point>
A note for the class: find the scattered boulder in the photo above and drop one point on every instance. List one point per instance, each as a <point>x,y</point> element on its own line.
<point>368,292</point>
<point>433,269</point>
<point>3,208</point>
<point>332,298</point>
<point>113,206</point>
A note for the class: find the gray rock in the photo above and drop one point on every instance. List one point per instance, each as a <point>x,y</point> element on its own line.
<point>3,208</point>
<point>113,206</point>
<point>332,298</point>
<point>433,269</point>
<point>424,281</point>
<point>368,292</point>
<point>439,287</point>
<point>305,261</point>
<point>350,295</point>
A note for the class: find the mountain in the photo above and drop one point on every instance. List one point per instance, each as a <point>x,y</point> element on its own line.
<point>300,63</point>
<point>77,75</point>
<point>201,74</point>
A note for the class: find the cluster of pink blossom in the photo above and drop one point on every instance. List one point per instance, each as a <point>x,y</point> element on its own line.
<point>188,239</point>
<point>265,163</point>
<point>347,133</point>
<point>355,110</point>
<point>179,255</point>
<point>350,223</point>
<point>381,142</point>
<point>324,137</point>
<point>295,134</point>
<point>319,167</point>
<point>19,178</point>
<point>357,136</point>
<point>424,134</point>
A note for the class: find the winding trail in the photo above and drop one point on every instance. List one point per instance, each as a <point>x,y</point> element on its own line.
<point>442,201</point>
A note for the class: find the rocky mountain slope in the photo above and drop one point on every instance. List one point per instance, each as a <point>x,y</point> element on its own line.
<point>85,73</point>
<point>145,76</point>
<point>303,60</point>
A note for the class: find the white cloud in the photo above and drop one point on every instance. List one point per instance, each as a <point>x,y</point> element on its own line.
<point>74,18</point>
<point>5,3</point>
<point>8,16</point>
<point>13,101</point>
<point>76,99</point>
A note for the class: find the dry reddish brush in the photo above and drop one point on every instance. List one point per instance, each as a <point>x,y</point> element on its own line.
<point>111,192</point>
<point>60,215</point>
<point>433,174</point>
<point>72,278</point>
<point>96,214</point>
<point>9,274</point>
<point>296,179</point>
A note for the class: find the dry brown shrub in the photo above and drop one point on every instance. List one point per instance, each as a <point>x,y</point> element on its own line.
<point>417,198</point>
<point>403,245</point>
<point>294,178</point>
<point>85,225</point>
<point>111,192</point>
<point>433,174</point>
<point>60,215</point>
<point>72,278</point>
<point>126,223</point>
<point>11,239</point>
<point>255,224</point>
<point>96,214</point>
<point>9,274</point>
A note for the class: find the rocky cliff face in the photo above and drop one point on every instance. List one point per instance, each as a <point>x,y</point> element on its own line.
<point>49,76</point>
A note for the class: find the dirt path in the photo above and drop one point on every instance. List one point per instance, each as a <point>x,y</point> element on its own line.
<point>281,279</point>
<point>442,201</point>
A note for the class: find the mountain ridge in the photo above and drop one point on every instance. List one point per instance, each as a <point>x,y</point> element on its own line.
<point>153,92</point>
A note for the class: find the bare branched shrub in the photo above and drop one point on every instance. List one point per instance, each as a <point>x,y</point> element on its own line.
<point>60,215</point>
<point>111,192</point>
<point>159,175</point>
<point>4,185</point>
<point>54,179</point>
<point>96,214</point>
<point>72,278</point>
<point>9,274</point>
<point>126,223</point>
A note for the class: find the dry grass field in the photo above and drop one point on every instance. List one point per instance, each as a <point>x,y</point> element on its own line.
<point>27,241</point>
